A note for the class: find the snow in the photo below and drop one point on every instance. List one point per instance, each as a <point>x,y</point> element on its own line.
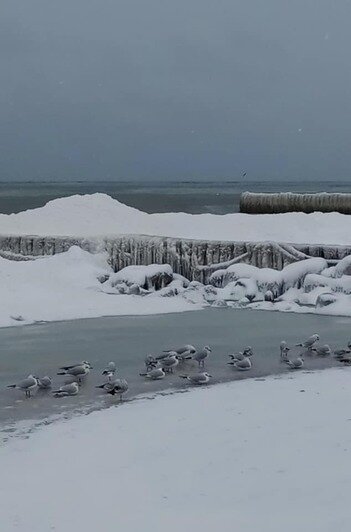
<point>101,215</point>
<point>247,456</point>
<point>78,284</point>
<point>66,286</point>
<point>267,278</point>
<point>142,275</point>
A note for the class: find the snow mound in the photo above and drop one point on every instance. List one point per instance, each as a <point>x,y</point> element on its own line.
<point>100,215</point>
<point>268,279</point>
<point>153,276</point>
<point>68,286</point>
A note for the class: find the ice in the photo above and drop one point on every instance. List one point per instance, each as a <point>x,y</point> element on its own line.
<point>340,284</point>
<point>268,279</point>
<point>151,277</point>
<point>283,202</point>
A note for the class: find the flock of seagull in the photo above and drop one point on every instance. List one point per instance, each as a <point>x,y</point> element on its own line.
<point>157,367</point>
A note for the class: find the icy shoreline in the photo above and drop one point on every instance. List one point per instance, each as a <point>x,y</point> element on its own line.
<point>242,458</point>
<point>77,284</point>
<point>64,282</point>
<point>99,215</point>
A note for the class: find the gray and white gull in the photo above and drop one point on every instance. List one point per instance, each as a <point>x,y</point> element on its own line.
<point>169,363</point>
<point>201,355</point>
<point>198,378</point>
<point>27,385</point>
<point>242,365</point>
<point>110,371</point>
<point>154,374</point>
<point>67,390</point>
<point>184,352</point>
<point>310,342</point>
<point>296,363</point>
<point>322,350</point>
<point>150,362</point>
<point>78,371</point>
<point>44,383</point>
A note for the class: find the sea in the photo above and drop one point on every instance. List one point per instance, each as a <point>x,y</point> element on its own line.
<point>216,197</point>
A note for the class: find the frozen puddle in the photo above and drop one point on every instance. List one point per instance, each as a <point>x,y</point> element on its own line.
<point>41,349</point>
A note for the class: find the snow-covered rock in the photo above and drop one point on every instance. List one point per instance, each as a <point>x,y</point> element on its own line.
<point>152,277</point>
<point>268,279</point>
<point>340,284</point>
<point>343,267</point>
<point>325,299</point>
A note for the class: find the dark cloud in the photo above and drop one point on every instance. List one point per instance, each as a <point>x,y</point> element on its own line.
<point>110,89</point>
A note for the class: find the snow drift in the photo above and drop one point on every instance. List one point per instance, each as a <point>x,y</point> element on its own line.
<point>100,215</point>
<point>77,284</point>
<point>69,286</point>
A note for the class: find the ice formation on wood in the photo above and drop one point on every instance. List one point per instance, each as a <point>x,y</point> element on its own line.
<point>193,259</point>
<point>263,203</point>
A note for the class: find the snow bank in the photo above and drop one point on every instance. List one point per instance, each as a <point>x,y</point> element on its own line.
<point>77,284</point>
<point>241,463</point>
<point>99,214</point>
<point>67,286</point>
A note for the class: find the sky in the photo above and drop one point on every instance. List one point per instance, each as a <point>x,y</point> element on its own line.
<point>181,89</point>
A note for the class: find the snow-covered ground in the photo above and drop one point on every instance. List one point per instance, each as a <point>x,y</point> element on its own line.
<point>66,286</point>
<point>99,214</point>
<point>70,285</point>
<point>247,456</point>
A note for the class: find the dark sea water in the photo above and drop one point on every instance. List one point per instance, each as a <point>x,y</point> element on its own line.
<point>193,197</point>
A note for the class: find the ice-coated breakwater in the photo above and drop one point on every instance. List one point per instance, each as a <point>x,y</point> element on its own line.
<point>194,259</point>
<point>265,203</point>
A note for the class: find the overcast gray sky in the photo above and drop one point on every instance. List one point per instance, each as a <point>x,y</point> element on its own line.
<point>181,89</point>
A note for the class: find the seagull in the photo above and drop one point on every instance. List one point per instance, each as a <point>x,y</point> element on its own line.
<point>45,383</point>
<point>246,353</point>
<point>150,362</point>
<point>346,359</point>
<point>296,363</point>
<point>184,352</point>
<point>109,371</point>
<point>238,356</point>
<point>78,371</point>
<point>107,386</point>
<point>167,354</point>
<point>83,363</point>
<point>66,390</point>
<point>120,386</point>
<point>154,374</point>
<point>310,341</point>
<point>242,365</point>
<point>339,353</point>
<point>169,363</point>
<point>284,353</point>
<point>199,378</point>
<point>201,355</point>
<point>284,349</point>
<point>28,385</point>
<point>322,350</point>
